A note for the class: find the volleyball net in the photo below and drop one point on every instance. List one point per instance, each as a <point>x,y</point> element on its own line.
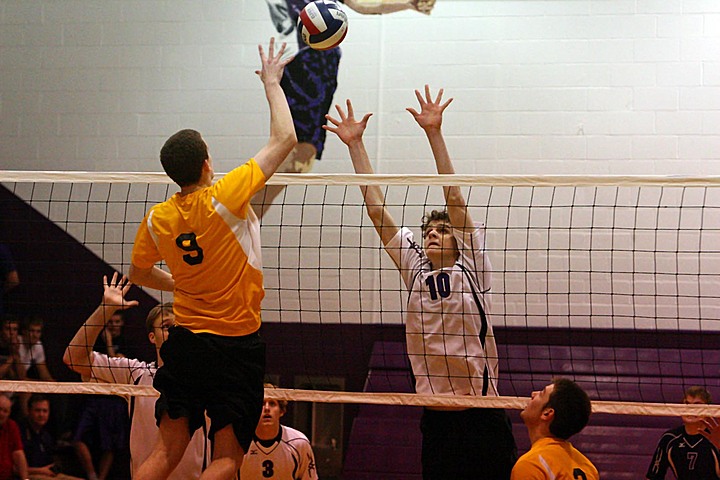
<point>611,281</point>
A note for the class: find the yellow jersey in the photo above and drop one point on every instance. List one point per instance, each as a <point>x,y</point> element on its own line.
<point>210,241</point>
<point>553,459</point>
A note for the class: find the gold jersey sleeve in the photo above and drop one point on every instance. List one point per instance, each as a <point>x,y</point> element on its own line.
<point>210,242</point>
<point>551,458</point>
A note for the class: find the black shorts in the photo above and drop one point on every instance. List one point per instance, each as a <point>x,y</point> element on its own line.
<point>468,444</point>
<point>309,83</point>
<point>222,376</point>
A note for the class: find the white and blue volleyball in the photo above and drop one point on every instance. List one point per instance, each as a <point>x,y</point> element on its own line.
<point>322,24</point>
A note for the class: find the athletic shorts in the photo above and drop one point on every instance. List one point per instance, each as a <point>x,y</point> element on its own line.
<point>220,375</point>
<point>309,83</point>
<point>467,444</point>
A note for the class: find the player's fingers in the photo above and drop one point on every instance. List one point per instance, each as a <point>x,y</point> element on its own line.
<point>445,105</point>
<point>331,120</point>
<point>419,97</point>
<point>438,99</point>
<point>271,49</point>
<point>261,51</point>
<point>340,112</point>
<point>428,96</point>
<point>350,111</point>
<point>366,118</point>
<point>412,111</point>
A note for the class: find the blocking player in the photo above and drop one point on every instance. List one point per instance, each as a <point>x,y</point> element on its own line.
<point>685,449</point>
<point>310,81</point>
<point>99,367</point>
<point>449,336</point>
<point>209,238</point>
<point>278,451</point>
<point>552,416</point>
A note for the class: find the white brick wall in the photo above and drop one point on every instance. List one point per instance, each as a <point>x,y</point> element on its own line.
<point>598,86</point>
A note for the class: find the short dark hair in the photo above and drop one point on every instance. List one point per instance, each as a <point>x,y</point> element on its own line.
<point>698,392</point>
<point>161,309</point>
<point>37,397</point>
<point>572,408</point>
<point>434,216</point>
<point>282,403</point>
<point>183,156</point>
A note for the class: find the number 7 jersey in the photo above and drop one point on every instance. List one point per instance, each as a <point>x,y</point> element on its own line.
<point>450,340</point>
<point>210,241</point>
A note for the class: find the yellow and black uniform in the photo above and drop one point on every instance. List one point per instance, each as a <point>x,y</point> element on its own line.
<point>213,359</point>
<point>552,458</point>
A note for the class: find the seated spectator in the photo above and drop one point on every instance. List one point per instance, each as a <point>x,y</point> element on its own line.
<point>96,366</point>
<point>10,363</point>
<point>686,449</point>
<point>38,442</point>
<point>278,451</point>
<point>12,457</point>
<point>32,351</point>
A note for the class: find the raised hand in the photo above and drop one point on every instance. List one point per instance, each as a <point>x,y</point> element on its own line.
<point>272,64</point>
<point>347,128</point>
<point>431,111</point>
<point>114,293</point>
<point>711,430</point>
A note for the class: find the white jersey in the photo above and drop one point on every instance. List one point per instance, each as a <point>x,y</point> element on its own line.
<point>30,354</point>
<point>143,429</point>
<point>450,340</point>
<point>288,457</point>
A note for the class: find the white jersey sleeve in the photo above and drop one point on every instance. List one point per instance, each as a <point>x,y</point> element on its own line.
<point>115,369</point>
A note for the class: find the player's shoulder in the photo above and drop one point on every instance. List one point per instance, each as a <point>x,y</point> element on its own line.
<point>290,434</point>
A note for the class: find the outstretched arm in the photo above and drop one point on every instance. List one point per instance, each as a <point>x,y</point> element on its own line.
<point>79,351</point>
<point>390,6</point>
<point>350,131</point>
<point>430,120</point>
<point>282,131</point>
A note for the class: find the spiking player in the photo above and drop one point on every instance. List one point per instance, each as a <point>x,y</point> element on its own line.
<point>685,449</point>
<point>450,340</point>
<point>278,452</point>
<point>209,237</point>
<point>310,81</point>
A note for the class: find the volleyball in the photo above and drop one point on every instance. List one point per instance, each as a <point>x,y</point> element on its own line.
<point>322,24</point>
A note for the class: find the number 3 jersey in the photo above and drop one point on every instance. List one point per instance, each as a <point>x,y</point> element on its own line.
<point>450,340</point>
<point>210,241</point>
<point>289,456</point>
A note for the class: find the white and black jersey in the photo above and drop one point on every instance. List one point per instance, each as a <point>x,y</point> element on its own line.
<point>288,456</point>
<point>450,340</point>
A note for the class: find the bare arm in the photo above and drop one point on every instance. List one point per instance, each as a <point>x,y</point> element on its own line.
<point>350,132</point>
<point>282,130</point>
<point>79,352</point>
<point>20,463</point>
<point>152,277</point>
<point>44,372</point>
<point>370,7</point>
<point>430,120</point>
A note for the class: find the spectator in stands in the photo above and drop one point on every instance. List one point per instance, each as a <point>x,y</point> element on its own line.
<point>552,416</point>
<point>12,457</point>
<point>104,421</point>
<point>39,444</point>
<point>9,277</point>
<point>32,351</point>
<point>278,451</point>
<point>450,339</point>
<point>686,449</point>
<point>11,367</point>
<point>96,366</point>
